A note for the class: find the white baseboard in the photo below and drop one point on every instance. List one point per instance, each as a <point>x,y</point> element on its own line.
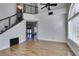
<point>53,40</point>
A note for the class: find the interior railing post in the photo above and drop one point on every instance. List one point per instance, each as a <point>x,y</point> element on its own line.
<point>35,9</point>
<point>31,9</point>
<point>9,22</point>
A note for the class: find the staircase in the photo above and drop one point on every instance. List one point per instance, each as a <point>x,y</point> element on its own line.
<point>17,29</point>
<point>9,24</point>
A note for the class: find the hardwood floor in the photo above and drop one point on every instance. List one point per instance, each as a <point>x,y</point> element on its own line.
<point>38,48</point>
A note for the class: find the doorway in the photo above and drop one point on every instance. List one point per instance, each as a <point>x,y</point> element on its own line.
<point>31,30</point>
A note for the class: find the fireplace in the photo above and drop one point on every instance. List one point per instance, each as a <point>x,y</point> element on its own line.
<point>14,41</point>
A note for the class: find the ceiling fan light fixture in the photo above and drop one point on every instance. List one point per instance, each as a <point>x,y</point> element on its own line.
<point>50,13</point>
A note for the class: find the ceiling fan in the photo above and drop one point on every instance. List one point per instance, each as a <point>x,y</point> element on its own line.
<point>47,5</point>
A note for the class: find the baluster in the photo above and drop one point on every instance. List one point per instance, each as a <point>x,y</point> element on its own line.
<point>9,22</point>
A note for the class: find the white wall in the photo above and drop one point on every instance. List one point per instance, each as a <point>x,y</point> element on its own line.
<point>30,17</point>
<point>73,34</point>
<point>73,27</point>
<point>74,8</point>
<point>6,10</point>
<point>53,28</point>
<point>17,31</point>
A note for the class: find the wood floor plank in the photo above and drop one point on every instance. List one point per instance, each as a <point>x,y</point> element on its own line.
<point>38,48</point>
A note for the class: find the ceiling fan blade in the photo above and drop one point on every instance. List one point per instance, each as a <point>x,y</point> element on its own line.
<point>42,4</point>
<point>54,4</point>
<point>44,7</point>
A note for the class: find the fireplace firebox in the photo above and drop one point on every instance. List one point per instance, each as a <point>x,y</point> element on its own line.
<point>14,41</point>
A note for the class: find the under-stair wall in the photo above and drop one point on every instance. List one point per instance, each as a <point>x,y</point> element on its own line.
<point>19,30</point>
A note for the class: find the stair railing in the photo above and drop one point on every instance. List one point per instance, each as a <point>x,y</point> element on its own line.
<point>6,27</point>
